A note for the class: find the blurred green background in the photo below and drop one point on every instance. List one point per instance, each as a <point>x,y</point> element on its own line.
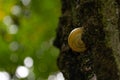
<point>27,31</point>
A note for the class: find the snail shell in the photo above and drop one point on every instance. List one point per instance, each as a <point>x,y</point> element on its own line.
<point>74,40</point>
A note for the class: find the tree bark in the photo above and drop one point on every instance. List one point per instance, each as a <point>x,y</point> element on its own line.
<point>101,22</point>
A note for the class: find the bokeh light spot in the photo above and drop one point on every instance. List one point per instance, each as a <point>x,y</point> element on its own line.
<point>16,10</point>
<point>7,20</point>
<point>22,72</point>
<point>31,75</point>
<point>52,77</point>
<point>57,76</point>
<point>13,29</point>
<point>14,46</point>
<point>4,76</point>
<point>60,76</point>
<point>26,2</point>
<point>28,62</point>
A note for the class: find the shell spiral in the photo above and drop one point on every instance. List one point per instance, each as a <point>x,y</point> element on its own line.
<point>74,40</point>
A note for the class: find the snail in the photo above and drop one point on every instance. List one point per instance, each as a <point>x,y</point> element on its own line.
<point>74,40</point>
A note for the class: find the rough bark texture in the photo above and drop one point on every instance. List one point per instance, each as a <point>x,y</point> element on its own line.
<point>101,22</point>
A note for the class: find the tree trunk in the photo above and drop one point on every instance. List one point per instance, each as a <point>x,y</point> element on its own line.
<point>101,22</point>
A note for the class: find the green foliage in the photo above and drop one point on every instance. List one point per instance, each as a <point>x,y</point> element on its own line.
<point>35,31</point>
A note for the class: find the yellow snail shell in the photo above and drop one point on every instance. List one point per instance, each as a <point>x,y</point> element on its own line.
<point>74,40</point>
